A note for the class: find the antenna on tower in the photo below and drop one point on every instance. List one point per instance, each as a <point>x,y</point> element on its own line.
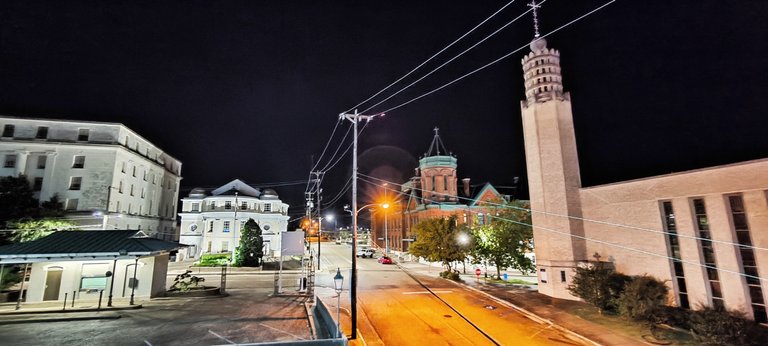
<point>534,6</point>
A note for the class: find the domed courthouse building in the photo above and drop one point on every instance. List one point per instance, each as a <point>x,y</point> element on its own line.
<point>704,232</point>
<point>212,220</point>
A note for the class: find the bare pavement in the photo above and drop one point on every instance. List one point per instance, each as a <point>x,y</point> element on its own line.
<point>252,313</point>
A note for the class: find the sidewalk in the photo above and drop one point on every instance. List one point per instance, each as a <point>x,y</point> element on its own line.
<point>56,311</point>
<point>529,302</point>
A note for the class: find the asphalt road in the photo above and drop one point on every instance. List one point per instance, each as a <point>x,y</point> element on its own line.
<point>248,315</point>
<point>418,308</point>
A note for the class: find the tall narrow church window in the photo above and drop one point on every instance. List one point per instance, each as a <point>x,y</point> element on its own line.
<point>747,257</point>
<point>670,226</point>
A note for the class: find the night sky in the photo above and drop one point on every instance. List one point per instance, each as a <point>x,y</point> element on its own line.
<point>253,89</point>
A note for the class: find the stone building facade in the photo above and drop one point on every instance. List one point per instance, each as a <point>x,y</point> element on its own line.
<point>106,175</point>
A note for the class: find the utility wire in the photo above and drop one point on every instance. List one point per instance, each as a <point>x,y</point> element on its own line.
<point>450,60</point>
<point>430,58</point>
<point>494,61</point>
<point>618,245</point>
<point>589,220</point>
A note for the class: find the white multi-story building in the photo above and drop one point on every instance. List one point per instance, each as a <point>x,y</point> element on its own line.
<point>212,220</point>
<point>106,175</point>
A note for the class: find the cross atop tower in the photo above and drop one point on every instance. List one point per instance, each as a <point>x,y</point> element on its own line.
<point>436,145</point>
<point>534,6</point>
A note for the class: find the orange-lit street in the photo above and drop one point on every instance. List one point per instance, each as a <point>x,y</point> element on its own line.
<point>409,304</point>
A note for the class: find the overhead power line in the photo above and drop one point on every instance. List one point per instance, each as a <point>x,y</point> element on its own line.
<point>449,60</point>
<point>605,223</point>
<point>494,61</point>
<point>429,59</point>
<point>628,248</point>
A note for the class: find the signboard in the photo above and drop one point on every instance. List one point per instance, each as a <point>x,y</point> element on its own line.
<point>93,283</point>
<point>292,243</point>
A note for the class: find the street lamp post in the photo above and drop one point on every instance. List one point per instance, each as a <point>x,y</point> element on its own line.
<point>386,234</point>
<point>338,282</point>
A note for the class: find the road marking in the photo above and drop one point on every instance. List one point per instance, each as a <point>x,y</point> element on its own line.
<point>427,292</point>
<point>282,331</point>
<point>220,337</point>
<point>147,342</point>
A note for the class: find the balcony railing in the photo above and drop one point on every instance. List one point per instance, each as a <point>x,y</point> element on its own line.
<point>207,208</point>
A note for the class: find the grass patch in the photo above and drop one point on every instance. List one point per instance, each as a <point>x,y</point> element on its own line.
<point>510,281</point>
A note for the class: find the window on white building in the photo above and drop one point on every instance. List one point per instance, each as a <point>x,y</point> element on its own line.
<point>8,130</point>
<point>10,161</point>
<point>210,228</point>
<point>75,183</point>
<point>79,161</point>
<point>227,205</point>
<point>122,167</point>
<point>268,207</point>
<point>71,204</point>
<point>213,204</point>
<point>41,161</point>
<point>120,187</point>
<point>83,134</point>
<point>244,206</point>
<point>42,132</point>
<point>195,206</point>
<point>134,171</point>
<point>226,226</point>
<point>38,185</point>
<point>131,190</point>
<point>142,192</point>
<point>224,246</point>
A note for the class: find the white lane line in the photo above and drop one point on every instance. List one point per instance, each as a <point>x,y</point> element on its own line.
<point>427,292</point>
<point>147,342</point>
<point>282,331</point>
<point>221,337</point>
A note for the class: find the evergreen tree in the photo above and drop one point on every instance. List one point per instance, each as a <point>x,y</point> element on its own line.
<point>250,250</point>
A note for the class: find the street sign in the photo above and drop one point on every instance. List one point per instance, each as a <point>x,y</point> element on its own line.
<point>478,272</point>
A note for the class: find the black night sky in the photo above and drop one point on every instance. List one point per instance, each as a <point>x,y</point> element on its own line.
<point>253,89</point>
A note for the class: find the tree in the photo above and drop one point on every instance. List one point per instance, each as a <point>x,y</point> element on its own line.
<point>250,251</point>
<point>16,198</point>
<point>25,230</point>
<point>598,284</point>
<point>437,240</point>
<point>504,241</point>
<point>643,298</point>
<point>16,201</point>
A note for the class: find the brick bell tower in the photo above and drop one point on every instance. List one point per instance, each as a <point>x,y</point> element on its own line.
<point>553,170</point>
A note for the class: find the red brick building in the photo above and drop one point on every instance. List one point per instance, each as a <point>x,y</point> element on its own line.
<point>433,192</point>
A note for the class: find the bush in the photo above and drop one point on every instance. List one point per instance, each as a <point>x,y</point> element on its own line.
<point>599,285</point>
<point>717,326</point>
<point>642,299</point>
<point>10,277</point>
<point>214,260</point>
<point>451,275</point>
<point>183,282</point>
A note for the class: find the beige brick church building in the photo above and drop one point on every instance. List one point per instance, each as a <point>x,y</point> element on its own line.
<point>703,231</point>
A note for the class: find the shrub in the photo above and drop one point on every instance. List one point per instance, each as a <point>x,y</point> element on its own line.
<point>214,260</point>
<point>183,282</point>
<point>451,275</point>
<point>717,326</point>
<point>642,299</point>
<point>599,285</point>
<point>10,276</point>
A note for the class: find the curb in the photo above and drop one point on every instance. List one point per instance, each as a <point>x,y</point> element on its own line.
<point>529,314</point>
<point>53,311</point>
<point>61,319</point>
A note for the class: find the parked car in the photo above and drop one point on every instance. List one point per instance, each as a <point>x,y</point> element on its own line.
<point>385,260</point>
<point>366,253</point>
